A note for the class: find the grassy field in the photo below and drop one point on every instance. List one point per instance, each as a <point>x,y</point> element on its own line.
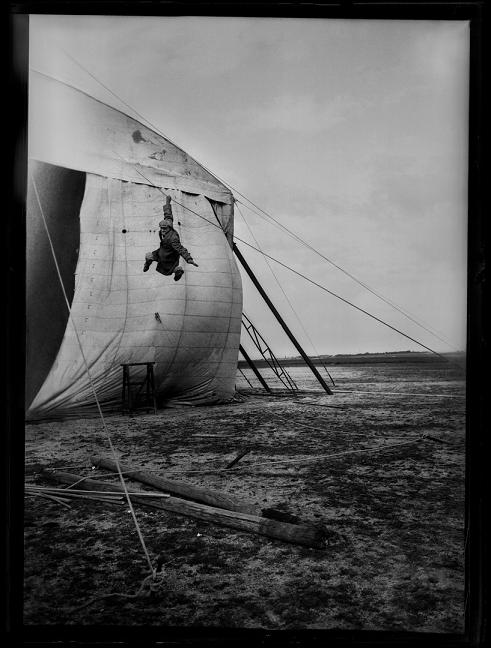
<point>393,516</point>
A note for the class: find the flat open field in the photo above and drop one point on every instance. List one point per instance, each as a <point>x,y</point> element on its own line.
<point>393,515</point>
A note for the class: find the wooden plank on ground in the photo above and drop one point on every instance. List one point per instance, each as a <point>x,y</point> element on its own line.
<point>195,493</point>
<point>238,457</point>
<point>296,534</point>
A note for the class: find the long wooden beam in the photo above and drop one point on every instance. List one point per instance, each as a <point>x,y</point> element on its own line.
<point>281,321</point>
<point>196,493</point>
<point>308,536</point>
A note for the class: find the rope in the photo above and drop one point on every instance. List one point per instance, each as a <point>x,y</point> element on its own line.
<point>310,404</point>
<point>108,436</point>
<point>308,459</point>
<point>382,393</point>
<point>231,187</point>
<point>346,301</point>
<point>287,298</point>
<point>310,427</point>
<point>234,189</point>
<point>260,251</point>
<point>148,586</point>
<point>358,281</point>
<point>338,454</point>
<point>180,330</point>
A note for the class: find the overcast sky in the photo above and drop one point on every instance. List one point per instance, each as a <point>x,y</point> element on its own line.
<point>352,134</point>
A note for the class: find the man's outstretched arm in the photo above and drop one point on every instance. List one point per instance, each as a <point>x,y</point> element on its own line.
<point>181,250</point>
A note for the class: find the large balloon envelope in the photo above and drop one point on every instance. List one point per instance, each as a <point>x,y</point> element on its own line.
<point>95,176</point>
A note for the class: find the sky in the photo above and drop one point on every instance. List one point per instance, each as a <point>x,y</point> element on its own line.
<point>353,134</point>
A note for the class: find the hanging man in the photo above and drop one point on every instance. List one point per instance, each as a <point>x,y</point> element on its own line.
<point>167,256</point>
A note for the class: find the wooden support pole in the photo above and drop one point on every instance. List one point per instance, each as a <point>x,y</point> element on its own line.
<point>283,324</point>
<point>295,534</point>
<point>238,457</point>
<point>254,368</point>
<point>196,493</point>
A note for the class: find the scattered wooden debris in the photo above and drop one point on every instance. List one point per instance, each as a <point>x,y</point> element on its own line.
<point>198,435</point>
<point>72,493</point>
<point>195,493</point>
<point>241,454</point>
<point>308,536</point>
<point>433,438</point>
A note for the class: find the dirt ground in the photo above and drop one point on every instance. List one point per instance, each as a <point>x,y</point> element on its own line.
<point>394,517</point>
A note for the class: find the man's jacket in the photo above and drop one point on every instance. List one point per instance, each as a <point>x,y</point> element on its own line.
<point>167,256</point>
